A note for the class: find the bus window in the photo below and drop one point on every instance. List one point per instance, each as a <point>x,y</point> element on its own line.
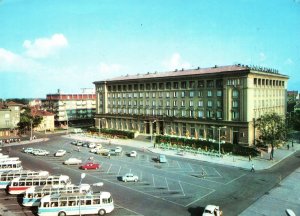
<point>22,183</point>
<point>36,182</point>
<point>104,201</point>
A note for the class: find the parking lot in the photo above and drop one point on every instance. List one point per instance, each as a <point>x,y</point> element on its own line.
<point>179,183</point>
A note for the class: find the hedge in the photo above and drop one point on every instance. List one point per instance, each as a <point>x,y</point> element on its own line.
<point>119,133</point>
<point>207,145</point>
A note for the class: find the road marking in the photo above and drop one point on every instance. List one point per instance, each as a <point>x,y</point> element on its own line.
<point>119,170</point>
<point>153,180</point>
<point>235,179</point>
<point>181,188</point>
<point>199,198</point>
<point>109,168</point>
<point>167,184</point>
<point>191,167</point>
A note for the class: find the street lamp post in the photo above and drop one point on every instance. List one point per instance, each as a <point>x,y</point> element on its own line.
<point>219,129</point>
<point>31,129</point>
<point>151,130</point>
<point>82,176</point>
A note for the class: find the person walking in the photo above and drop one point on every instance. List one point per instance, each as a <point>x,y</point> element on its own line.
<point>288,146</point>
<point>292,143</point>
<point>252,168</point>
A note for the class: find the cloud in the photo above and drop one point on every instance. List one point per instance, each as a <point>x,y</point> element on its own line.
<point>109,68</point>
<point>289,61</point>
<point>176,62</point>
<point>262,57</point>
<point>11,62</point>
<point>44,47</point>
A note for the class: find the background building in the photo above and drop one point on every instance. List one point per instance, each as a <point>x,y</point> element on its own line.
<point>9,119</point>
<point>47,123</point>
<point>72,109</point>
<point>202,103</point>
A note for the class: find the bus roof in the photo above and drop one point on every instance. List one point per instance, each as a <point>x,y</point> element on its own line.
<point>22,178</point>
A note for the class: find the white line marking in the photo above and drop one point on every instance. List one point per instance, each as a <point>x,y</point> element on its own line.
<point>235,179</point>
<point>199,198</point>
<point>108,168</point>
<point>153,180</point>
<point>191,167</point>
<point>119,170</point>
<point>167,184</point>
<point>181,188</point>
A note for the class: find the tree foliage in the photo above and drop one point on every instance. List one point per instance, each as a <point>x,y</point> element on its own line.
<point>26,119</point>
<point>273,130</point>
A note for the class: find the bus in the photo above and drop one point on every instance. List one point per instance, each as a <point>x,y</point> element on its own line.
<point>4,156</point>
<point>7,177</point>
<point>20,184</point>
<point>6,166</point>
<point>9,159</point>
<point>33,195</point>
<point>76,204</point>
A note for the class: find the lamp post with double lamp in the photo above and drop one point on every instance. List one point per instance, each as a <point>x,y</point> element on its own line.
<point>151,129</point>
<point>82,176</point>
<point>219,129</point>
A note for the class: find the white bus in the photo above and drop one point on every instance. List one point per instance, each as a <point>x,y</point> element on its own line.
<point>4,156</point>
<point>76,204</point>
<point>21,184</point>
<point>6,166</point>
<point>33,195</point>
<point>9,159</point>
<point>7,177</point>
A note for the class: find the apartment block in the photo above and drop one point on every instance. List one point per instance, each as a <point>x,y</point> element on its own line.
<point>204,103</point>
<point>71,109</point>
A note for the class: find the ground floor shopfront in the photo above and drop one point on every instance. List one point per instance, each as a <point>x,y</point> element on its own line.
<point>206,129</point>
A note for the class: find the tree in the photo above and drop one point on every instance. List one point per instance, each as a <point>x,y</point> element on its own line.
<point>26,119</point>
<point>272,129</point>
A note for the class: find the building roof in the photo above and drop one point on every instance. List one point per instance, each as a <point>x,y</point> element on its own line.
<point>198,71</point>
<point>35,112</point>
<point>12,103</point>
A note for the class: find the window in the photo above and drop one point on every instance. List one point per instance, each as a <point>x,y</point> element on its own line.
<point>154,86</point>
<point>141,94</point>
<point>200,103</point>
<point>153,94</point>
<point>175,103</point>
<point>153,103</point>
<point>209,93</point>
<point>183,85</point>
<point>219,104</point>
<point>167,94</point>
<point>182,94</point>
<point>209,113</point>
<point>175,85</point>
<point>191,113</point>
<point>148,86</point>
<point>183,103</point>
<point>191,103</point>
<point>168,103</point>
<point>210,83</point>
<point>200,114</point>
<point>136,87</point>
<point>175,94</point>
<point>219,93</point>
<point>200,83</point>
<point>160,94</point>
<point>219,114</point>
<point>191,94</point>
<point>192,84</point>
<point>235,115</point>
<point>200,94</point>
<point>209,103</point>
<point>161,86</point>
<point>235,93</point>
<point>235,104</point>
<point>168,85</point>
<point>141,86</point>
<point>183,113</point>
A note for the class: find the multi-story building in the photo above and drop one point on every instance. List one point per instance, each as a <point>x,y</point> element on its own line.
<point>47,123</point>
<point>9,119</point>
<point>202,103</point>
<point>71,109</point>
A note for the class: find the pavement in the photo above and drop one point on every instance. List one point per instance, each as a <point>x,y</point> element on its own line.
<point>286,196</point>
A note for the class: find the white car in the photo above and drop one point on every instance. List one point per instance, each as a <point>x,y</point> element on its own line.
<point>118,150</point>
<point>133,154</point>
<point>212,210</point>
<point>60,153</point>
<point>92,145</point>
<point>41,152</point>
<point>28,150</point>
<point>72,161</point>
<point>95,150</point>
<point>130,177</point>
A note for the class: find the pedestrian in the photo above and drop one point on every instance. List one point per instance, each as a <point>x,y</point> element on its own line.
<point>252,168</point>
<point>288,146</point>
<point>292,143</point>
<point>78,149</point>
<point>250,159</point>
<point>108,155</point>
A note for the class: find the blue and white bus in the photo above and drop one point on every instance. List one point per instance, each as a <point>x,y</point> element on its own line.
<point>7,177</point>
<point>6,166</point>
<point>33,195</point>
<point>76,204</point>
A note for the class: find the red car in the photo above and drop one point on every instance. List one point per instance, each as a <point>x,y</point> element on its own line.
<point>90,165</point>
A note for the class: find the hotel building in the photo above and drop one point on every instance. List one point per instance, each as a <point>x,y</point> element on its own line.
<point>71,109</point>
<point>203,103</point>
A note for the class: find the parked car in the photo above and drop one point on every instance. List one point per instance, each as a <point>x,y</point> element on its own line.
<point>28,150</point>
<point>118,150</point>
<point>92,145</point>
<point>41,152</point>
<point>95,150</point>
<point>60,153</point>
<point>133,154</point>
<point>102,151</point>
<point>130,177</point>
<point>74,142</point>
<point>212,210</point>
<point>72,161</point>
<point>79,143</point>
<point>162,158</point>
<point>85,144</point>
<point>90,165</point>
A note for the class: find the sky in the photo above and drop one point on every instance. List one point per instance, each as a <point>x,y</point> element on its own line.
<point>46,45</point>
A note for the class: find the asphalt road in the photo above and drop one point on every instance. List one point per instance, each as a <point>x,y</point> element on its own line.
<point>178,187</point>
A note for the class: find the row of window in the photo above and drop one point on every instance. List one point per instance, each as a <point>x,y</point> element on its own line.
<point>177,113</point>
<point>175,94</point>
<point>175,103</point>
<point>167,85</point>
<point>269,92</point>
<point>268,82</point>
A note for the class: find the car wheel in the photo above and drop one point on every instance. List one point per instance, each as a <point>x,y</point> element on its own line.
<point>135,180</point>
<point>62,213</point>
<point>125,180</point>
<point>101,212</point>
